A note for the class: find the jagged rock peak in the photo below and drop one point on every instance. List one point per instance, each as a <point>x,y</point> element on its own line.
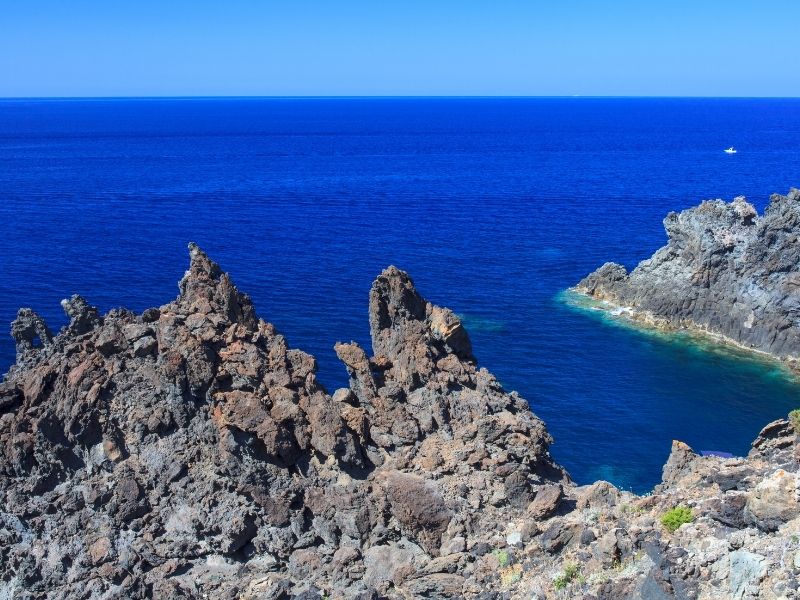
<point>153,448</point>
<point>28,330</point>
<point>409,331</point>
<point>779,203</point>
<point>201,263</point>
<point>32,335</point>
<point>203,272</point>
<point>83,317</point>
<point>205,288</point>
<point>393,298</point>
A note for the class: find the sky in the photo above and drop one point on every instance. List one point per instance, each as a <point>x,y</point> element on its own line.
<point>413,47</point>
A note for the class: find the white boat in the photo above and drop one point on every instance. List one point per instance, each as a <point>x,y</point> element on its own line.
<point>730,150</point>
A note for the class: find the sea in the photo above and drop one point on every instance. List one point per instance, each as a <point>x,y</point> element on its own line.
<point>495,206</point>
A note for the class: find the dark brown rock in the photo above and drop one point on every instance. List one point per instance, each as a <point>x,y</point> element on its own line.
<point>419,508</point>
<point>191,440</point>
<point>546,501</point>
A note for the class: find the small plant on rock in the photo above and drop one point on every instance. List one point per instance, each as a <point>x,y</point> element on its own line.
<point>571,573</point>
<point>794,419</point>
<point>510,575</point>
<point>630,509</point>
<point>502,557</point>
<point>676,517</point>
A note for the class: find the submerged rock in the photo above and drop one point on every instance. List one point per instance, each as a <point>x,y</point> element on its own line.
<point>725,270</point>
<point>189,452</point>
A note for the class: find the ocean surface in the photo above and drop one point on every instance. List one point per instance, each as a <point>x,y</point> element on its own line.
<point>494,206</point>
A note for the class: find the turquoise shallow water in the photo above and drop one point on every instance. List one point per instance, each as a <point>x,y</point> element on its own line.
<point>495,206</point>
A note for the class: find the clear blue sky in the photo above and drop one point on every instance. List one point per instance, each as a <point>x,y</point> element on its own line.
<point>410,47</point>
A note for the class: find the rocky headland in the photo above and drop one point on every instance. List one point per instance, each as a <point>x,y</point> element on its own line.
<point>189,452</point>
<point>725,271</point>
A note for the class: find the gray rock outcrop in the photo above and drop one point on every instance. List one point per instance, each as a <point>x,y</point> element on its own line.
<point>725,270</point>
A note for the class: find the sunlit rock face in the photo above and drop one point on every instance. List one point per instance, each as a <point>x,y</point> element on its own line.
<point>725,270</point>
<point>189,452</point>
<point>189,449</point>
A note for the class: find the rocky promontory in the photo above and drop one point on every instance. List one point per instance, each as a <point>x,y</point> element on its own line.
<point>726,270</point>
<point>190,452</point>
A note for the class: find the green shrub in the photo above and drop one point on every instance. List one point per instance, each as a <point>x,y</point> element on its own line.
<point>676,517</point>
<point>502,557</point>
<point>570,574</point>
<point>794,418</point>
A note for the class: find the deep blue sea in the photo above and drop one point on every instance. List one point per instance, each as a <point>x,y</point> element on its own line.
<point>493,205</point>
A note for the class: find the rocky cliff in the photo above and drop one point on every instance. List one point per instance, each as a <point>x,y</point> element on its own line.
<point>725,270</point>
<point>189,452</point>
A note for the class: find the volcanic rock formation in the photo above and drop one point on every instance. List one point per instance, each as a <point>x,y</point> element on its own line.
<point>725,270</point>
<point>188,452</point>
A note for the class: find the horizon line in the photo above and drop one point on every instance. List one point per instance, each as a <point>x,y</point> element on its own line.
<point>392,96</point>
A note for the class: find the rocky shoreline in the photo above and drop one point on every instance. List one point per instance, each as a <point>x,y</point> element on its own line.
<point>644,321</point>
<point>726,272</point>
<point>189,452</point>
